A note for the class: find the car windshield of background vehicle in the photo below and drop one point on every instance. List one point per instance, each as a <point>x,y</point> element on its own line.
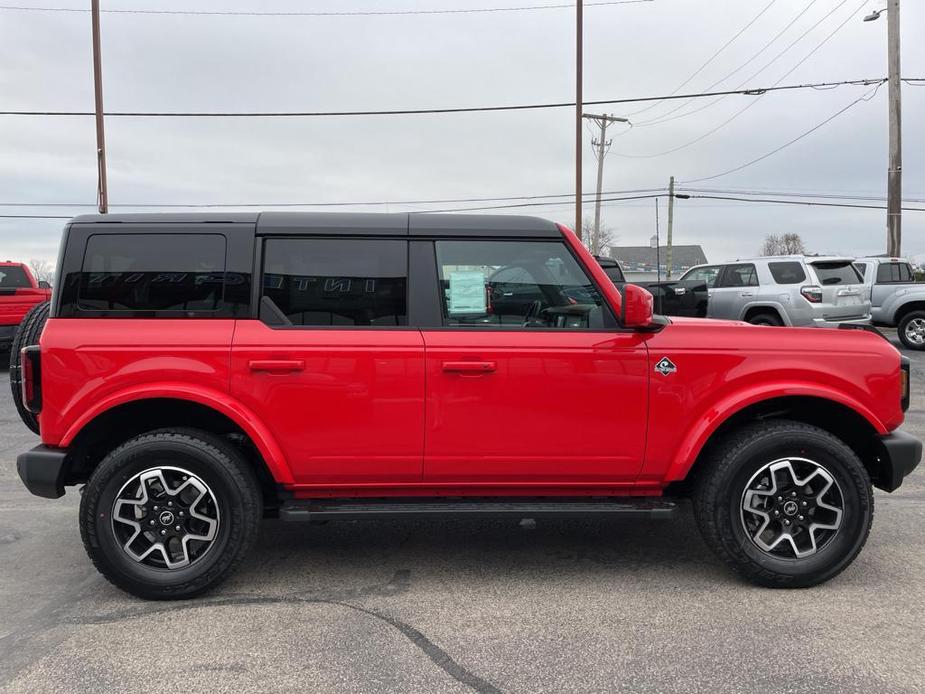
<point>707,275</point>
<point>894,273</point>
<point>516,284</point>
<point>13,277</point>
<point>153,272</point>
<point>339,282</point>
<point>789,272</point>
<point>837,273</point>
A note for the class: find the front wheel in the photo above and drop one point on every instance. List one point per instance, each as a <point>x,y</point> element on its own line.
<point>170,514</point>
<point>911,330</point>
<point>785,504</point>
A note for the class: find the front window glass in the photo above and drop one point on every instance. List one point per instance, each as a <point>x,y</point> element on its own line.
<point>529,284</point>
<point>707,274</point>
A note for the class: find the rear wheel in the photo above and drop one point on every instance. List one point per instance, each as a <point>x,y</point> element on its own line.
<point>170,514</point>
<point>785,504</point>
<point>766,319</point>
<point>28,334</point>
<point>911,330</point>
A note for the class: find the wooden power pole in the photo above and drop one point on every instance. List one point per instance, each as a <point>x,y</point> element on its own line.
<point>894,213</point>
<point>602,144</point>
<point>579,107</point>
<point>102,191</point>
<point>670,227</point>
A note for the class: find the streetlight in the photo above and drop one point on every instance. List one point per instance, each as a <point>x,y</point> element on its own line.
<point>895,170</point>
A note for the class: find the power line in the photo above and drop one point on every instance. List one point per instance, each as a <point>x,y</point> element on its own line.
<point>808,203</point>
<point>738,113</point>
<point>755,91</point>
<point>662,118</point>
<point>712,57</point>
<point>866,97</point>
<point>353,13</point>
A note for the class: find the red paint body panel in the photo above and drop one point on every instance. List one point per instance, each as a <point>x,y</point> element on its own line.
<point>16,304</point>
<point>558,406</point>
<point>353,413</point>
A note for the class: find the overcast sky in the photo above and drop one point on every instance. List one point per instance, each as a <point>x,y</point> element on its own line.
<point>209,63</point>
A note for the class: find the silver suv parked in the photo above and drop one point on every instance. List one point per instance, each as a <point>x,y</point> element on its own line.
<point>786,290</point>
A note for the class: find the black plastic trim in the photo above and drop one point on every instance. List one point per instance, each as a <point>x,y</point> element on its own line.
<point>44,471</point>
<point>902,454</point>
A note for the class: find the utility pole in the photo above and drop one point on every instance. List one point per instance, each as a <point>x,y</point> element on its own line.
<point>102,190</point>
<point>670,225</point>
<point>894,187</point>
<point>602,144</point>
<point>579,107</point>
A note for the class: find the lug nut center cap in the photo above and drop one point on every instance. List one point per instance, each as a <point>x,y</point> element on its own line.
<point>166,517</point>
<point>790,508</point>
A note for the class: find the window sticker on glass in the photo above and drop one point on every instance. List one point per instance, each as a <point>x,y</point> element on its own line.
<point>467,292</point>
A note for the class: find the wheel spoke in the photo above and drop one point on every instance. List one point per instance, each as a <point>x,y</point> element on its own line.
<point>792,507</point>
<point>158,525</point>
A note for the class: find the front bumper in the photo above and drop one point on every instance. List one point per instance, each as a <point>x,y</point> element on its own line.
<point>901,454</point>
<point>44,471</point>
<point>7,333</point>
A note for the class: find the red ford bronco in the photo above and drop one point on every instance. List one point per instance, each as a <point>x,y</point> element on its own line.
<point>199,372</point>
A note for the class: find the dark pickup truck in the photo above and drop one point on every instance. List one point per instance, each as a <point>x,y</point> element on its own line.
<point>682,298</point>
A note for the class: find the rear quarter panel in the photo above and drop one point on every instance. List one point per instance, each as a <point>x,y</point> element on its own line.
<point>724,367</point>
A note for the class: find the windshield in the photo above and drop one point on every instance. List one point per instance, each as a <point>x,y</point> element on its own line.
<point>839,272</point>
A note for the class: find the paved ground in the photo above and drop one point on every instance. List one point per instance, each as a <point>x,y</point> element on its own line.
<point>455,606</point>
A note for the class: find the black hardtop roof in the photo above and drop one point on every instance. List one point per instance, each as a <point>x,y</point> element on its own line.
<point>329,223</point>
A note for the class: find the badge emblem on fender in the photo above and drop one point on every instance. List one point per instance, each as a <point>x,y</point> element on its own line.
<point>665,366</point>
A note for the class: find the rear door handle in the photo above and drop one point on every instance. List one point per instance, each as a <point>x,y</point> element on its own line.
<point>747,294</point>
<point>469,367</point>
<point>276,365</point>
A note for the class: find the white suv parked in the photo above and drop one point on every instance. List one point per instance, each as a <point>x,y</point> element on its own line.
<point>795,290</point>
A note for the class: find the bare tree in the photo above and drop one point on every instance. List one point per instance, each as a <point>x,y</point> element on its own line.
<point>786,244</point>
<point>597,243</point>
<point>42,269</point>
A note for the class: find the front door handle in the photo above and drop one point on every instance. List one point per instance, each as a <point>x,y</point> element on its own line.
<point>276,365</point>
<point>469,367</point>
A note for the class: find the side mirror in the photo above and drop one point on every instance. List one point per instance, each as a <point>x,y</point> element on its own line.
<point>637,307</point>
<point>44,284</point>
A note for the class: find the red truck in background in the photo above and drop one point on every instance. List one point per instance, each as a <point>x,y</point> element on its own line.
<point>19,292</point>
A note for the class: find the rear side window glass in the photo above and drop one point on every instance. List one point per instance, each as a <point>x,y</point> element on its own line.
<point>340,282</point>
<point>894,272</point>
<point>516,284</point>
<point>787,273</point>
<point>740,276</point>
<point>153,272</point>
<point>13,277</point>
<point>836,273</point>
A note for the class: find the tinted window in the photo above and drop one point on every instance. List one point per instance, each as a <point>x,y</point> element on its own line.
<point>740,276</point>
<point>153,272</point>
<point>338,281</point>
<point>787,273</point>
<point>894,272</point>
<point>532,284</point>
<point>836,273</point>
<point>707,274</point>
<point>13,276</point>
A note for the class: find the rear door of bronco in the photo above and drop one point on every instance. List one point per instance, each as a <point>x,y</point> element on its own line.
<point>332,366</point>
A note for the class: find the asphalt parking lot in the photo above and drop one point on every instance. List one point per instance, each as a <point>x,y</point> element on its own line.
<point>489,606</point>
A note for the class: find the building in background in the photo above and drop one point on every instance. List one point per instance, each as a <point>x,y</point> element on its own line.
<point>639,262</point>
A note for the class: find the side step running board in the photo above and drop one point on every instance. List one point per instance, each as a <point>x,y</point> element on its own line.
<point>378,509</point>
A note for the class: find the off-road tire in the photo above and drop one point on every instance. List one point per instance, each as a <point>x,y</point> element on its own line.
<point>28,334</point>
<point>904,325</point>
<point>219,465</point>
<point>771,319</point>
<point>720,486</point>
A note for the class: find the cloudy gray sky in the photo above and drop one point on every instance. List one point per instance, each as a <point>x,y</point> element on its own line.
<point>210,63</point>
